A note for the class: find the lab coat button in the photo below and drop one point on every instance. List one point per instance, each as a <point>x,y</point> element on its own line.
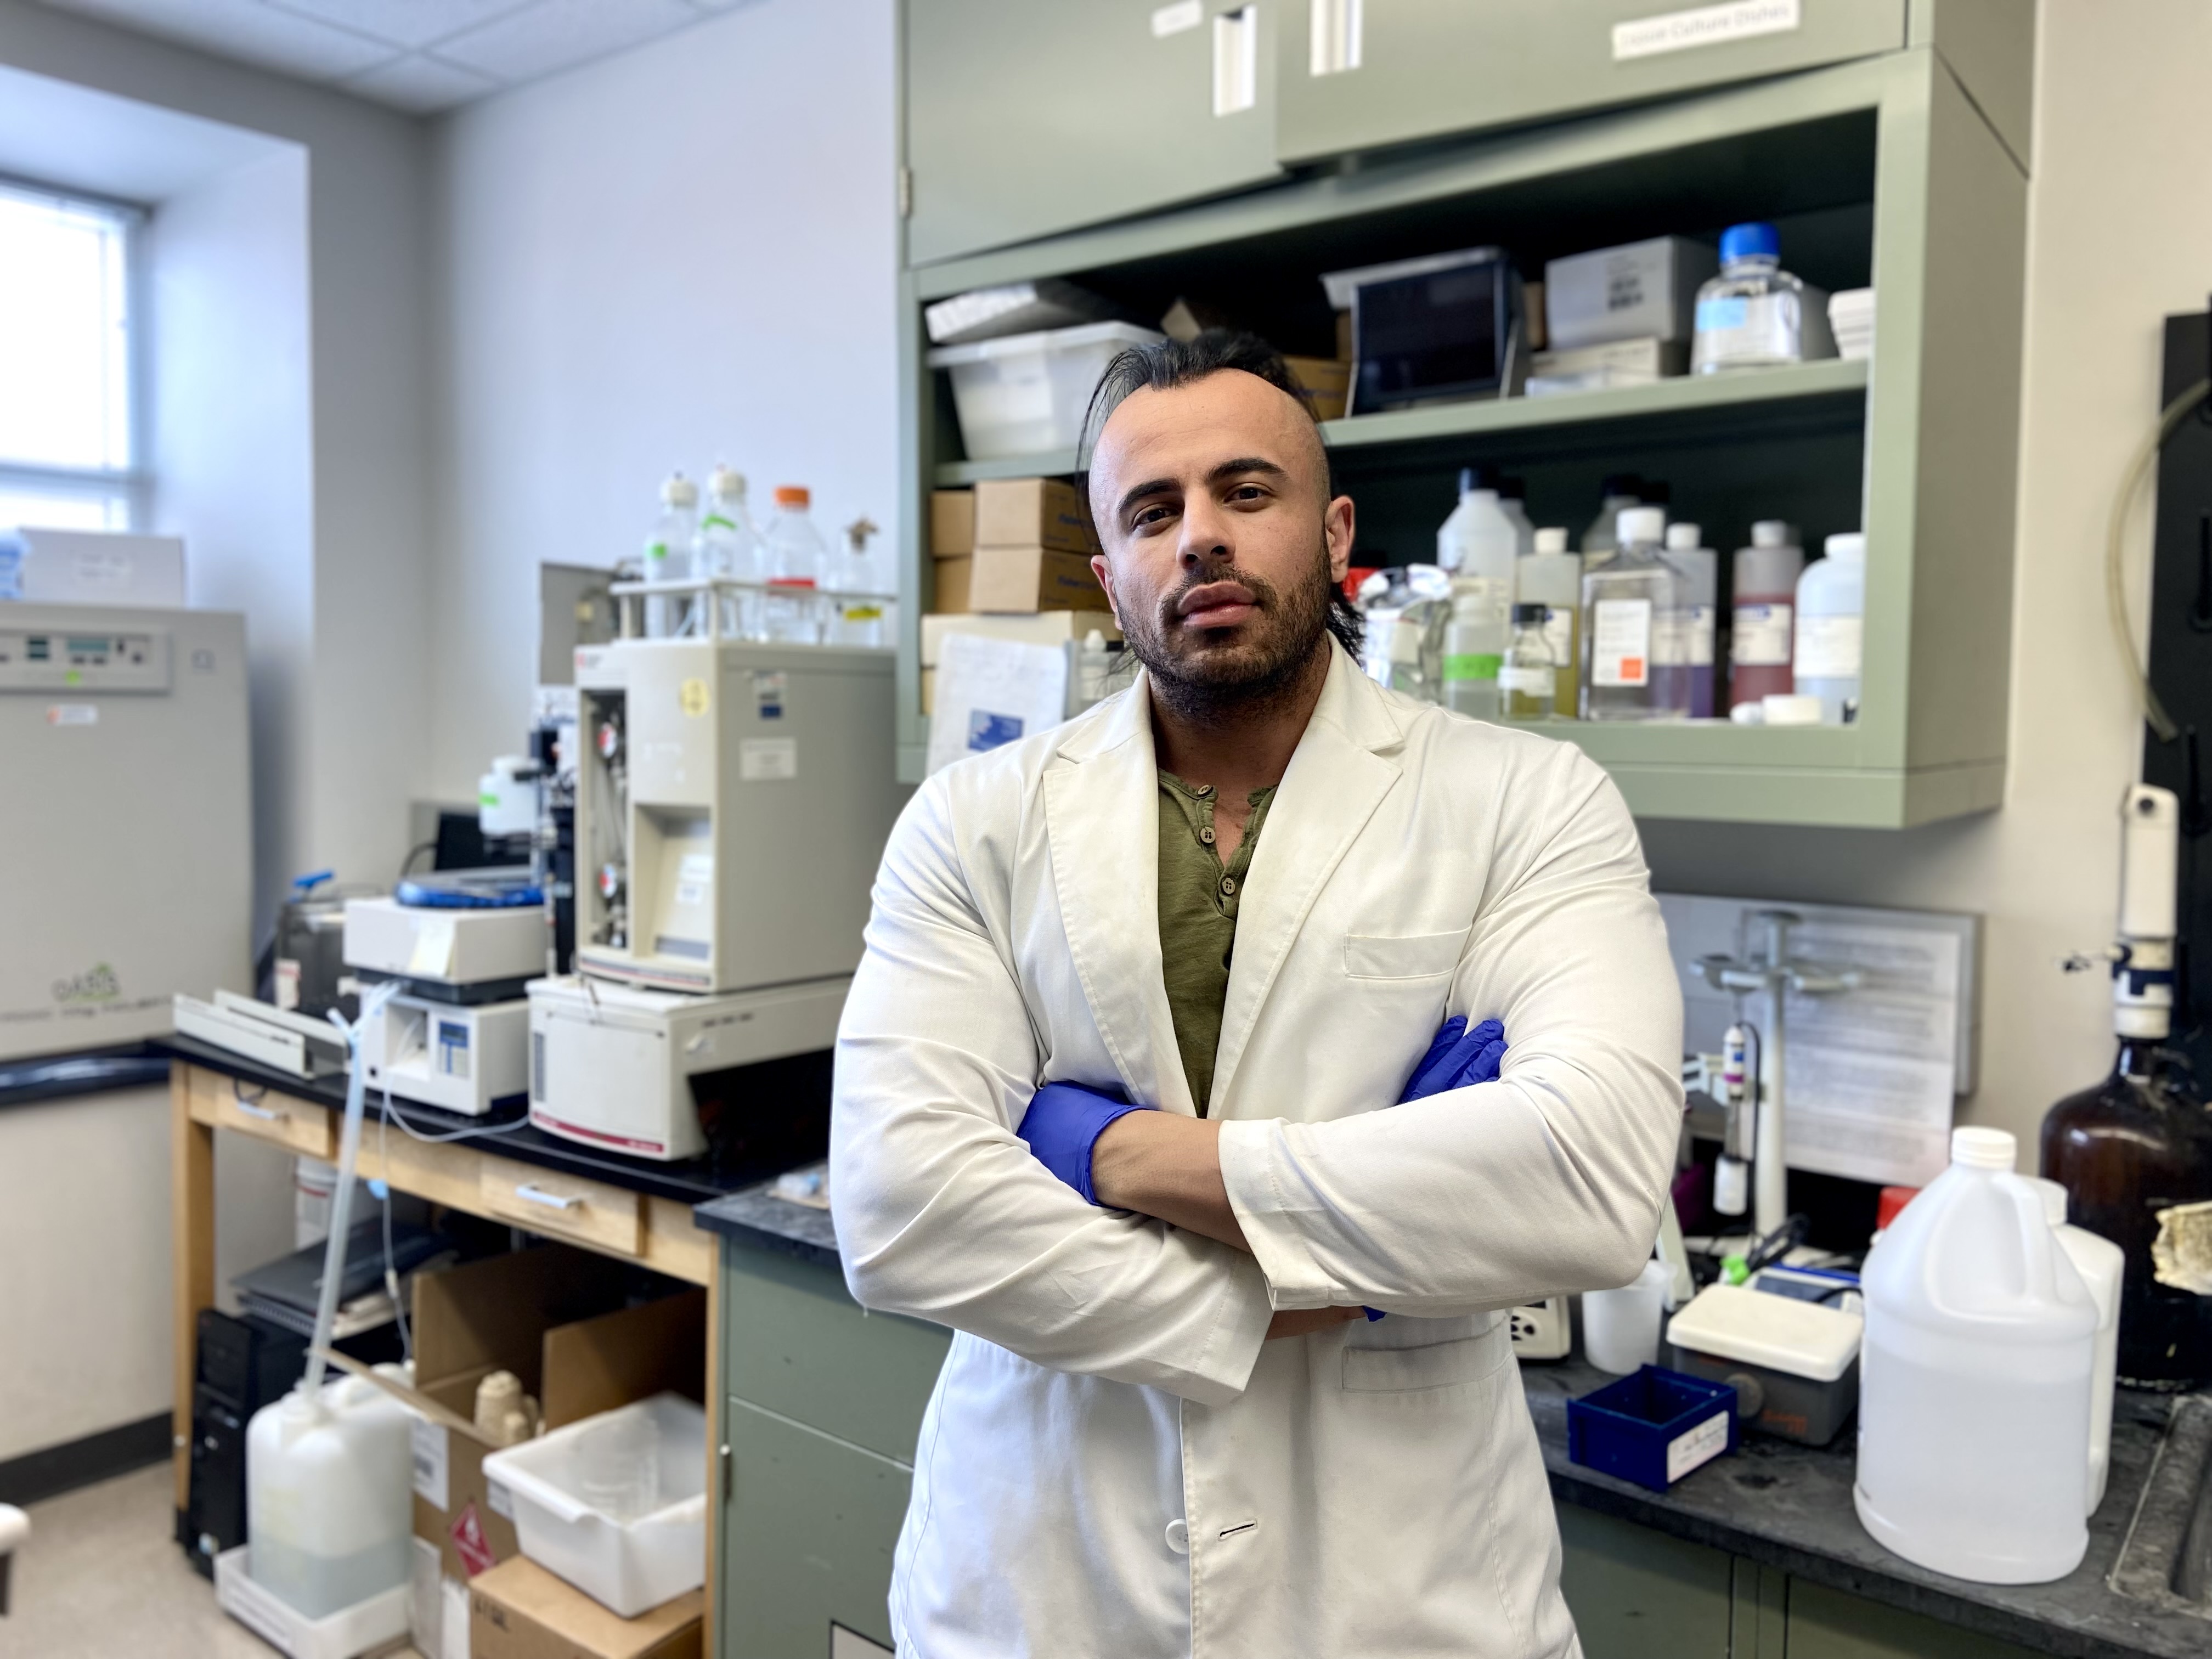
<point>1179,1537</point>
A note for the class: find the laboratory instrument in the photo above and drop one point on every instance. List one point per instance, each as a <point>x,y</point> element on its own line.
<point>1540,1330</point>
<point>795,557</point>
<point>1552,577</point>
<point>2134,1152</point>
<point>282,1039</point>
<point>1755,315</point>
<point>127,799</point>
<point>1643,290</point>
<point>1764,597</point>
<point>453,955</point>
<point>1794,1363</point>
<point>1440,327</point>
<point>1528,682</point>
<point>732,804</point>
<point>303,964</point>
<point>1692,647</point>
<point>668,554</point>
<point>1740,1098</point>
<point>1631,605</point>
<point>1974,1404</point>
<point>2102,1265</point>
<point>1831,641</point>
<point>101,568</point>
<point>617,1066</point>
<point>1775,977</point>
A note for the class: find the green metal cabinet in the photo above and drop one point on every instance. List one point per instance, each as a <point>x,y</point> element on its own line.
<point>1354,77</point>
<point>1028,117</point>
<point>821,1406</point>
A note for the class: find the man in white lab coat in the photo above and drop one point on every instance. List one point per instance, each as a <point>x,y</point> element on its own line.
<point>1164,1428</point>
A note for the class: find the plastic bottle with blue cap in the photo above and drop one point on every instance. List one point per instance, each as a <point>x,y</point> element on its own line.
<point>1755,315</point>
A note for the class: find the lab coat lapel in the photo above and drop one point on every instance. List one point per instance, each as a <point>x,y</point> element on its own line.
<point>1337,777</point>
<point>1102,817</point>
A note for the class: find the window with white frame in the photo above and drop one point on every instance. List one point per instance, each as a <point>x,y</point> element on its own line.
<point>67,454</point>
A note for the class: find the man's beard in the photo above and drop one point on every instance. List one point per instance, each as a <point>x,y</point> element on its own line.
<point>1199,676</point>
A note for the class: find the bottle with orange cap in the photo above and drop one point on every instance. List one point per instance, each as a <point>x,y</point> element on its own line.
<point>796,555</point>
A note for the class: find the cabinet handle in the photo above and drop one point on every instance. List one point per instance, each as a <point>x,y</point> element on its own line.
<point>266,1113</point>
<point>1236,60</point>
<point>530,1193</point>
<point>1331,36</point>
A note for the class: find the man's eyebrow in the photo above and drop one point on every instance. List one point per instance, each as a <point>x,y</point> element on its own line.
<point>1226,470</point>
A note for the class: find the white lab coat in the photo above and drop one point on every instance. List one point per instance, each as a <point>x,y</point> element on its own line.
<point>1114,1463</point>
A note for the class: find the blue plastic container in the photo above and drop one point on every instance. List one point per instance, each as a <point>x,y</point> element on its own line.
<point>1652,1428</point>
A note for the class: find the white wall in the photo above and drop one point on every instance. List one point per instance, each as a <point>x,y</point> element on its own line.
<point>681,255</point>
<point>352,730</point>
<point>2120,234</point>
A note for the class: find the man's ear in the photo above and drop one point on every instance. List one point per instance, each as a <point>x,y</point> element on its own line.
<point>1104,571</point>
<point>1337,524</point>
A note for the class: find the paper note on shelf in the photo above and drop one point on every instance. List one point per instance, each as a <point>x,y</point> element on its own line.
<point>1872,1070</point>
<point>990,692</point>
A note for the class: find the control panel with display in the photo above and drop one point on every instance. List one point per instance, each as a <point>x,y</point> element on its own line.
<point>47,659</point>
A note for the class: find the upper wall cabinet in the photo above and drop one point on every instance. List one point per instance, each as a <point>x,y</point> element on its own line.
<point>1356,75</point>
<point>1025,118</point>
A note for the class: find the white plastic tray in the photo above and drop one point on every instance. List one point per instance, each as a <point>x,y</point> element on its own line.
<point>365,1628</point>
<point>1027,393</point>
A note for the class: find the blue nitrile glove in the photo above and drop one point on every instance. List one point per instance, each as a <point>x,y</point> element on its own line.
<point>1457,1057</point>
<point>1064,1121</point>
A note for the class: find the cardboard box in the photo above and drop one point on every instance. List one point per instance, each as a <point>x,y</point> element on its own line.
<point>519,1611</point>
<point>1044,512</point>
<point>1042,628</point>
<point>554,1317</point>
<point>951,523</point>
<point>1327,383</point>
<point>1028,578</point>
<point>955,580</point>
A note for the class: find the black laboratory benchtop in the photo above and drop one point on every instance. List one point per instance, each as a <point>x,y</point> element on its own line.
<point>693,1181</point>
<point>1774,1502</point>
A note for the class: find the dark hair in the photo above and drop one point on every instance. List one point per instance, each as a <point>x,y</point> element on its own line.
<point>1164,366</point>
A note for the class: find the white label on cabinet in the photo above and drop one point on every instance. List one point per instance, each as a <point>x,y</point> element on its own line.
<point>1705,26</point>
<point>1700,1445</point>
<point>765,760</point>
<point>1174,19</point>
<point>1620,642</point>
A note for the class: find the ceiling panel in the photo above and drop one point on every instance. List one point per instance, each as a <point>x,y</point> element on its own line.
<point>407,22</point>
<point>557,34</point>
<point>420,83</point>
<point>249,30</point>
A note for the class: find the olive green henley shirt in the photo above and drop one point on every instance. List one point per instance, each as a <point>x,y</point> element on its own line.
<point>1198,896</point>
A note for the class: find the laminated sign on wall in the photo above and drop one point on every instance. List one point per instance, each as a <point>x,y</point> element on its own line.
<point>991,692</point>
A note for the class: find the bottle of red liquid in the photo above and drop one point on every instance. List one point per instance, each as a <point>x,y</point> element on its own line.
<point>1764,621</point>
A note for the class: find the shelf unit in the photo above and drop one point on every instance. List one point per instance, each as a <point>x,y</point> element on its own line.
<point>1881,170</point>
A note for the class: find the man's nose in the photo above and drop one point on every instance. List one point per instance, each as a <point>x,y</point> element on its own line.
<point>1207,534</point>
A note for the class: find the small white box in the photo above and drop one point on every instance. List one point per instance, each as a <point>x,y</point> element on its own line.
<point>451,947</point>
<point>457,1057</point>
<point>91,566</point>
<point>628,1563</point>
<point>367,1626</point>
<point>1027,393</point>
<point>1635,291</point>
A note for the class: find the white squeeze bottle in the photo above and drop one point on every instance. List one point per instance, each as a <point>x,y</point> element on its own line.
<point>1832,628</point>
<point>1478,544</point>
<point>1552,577</point>
<point>1974,1390</point>
<point>795,560</point>
<point>2102,1265</point>
<point>668,556</point>
<point>729,550</point>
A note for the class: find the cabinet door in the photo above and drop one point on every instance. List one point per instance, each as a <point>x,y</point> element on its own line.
<point>1028,117</point>
<point>1356,73</point>
<point>1828,1624</point>
<point>806,1540</point>
<point>1637,1593</point>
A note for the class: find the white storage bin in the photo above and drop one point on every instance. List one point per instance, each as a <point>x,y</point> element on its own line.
<point>367,1626</point>
<point>1027,393</point>
<point>629,1551</point>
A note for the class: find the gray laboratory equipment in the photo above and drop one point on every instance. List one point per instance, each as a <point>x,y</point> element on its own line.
<point>125,822</point>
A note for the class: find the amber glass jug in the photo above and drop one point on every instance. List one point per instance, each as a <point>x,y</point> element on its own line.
<point>2138,1142</point>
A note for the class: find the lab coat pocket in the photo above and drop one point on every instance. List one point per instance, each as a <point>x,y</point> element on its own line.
<point>1412,956</point>
<point>1433,1366</point>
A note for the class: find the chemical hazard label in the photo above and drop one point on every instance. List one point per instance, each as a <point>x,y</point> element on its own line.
<point>470,1542</point>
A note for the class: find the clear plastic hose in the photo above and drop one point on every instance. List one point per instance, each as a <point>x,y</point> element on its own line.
<point>334,1253</point>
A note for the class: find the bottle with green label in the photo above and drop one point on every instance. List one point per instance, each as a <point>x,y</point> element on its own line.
<point>1478,544</point>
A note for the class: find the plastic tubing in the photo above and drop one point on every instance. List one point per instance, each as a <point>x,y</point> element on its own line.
<point>334,1252</point>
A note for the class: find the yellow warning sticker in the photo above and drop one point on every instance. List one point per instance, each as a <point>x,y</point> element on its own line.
<point>692,696</point>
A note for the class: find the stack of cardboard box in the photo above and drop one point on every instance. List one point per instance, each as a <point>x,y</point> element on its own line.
<point>1012,558</point>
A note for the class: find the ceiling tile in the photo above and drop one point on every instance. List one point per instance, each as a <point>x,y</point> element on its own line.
<point>244,29</point>
<point>420,83</point>
<point>554,34</point>
<point>405,22</point>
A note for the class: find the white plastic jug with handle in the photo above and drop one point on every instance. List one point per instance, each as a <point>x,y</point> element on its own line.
<point>2102,1265</point>
<point>1974,1385</point>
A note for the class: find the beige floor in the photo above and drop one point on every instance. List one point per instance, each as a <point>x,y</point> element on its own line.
<point>101,1578</point>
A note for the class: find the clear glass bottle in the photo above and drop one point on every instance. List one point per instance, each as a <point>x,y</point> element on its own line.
<point>668,557</point>
<point>860,584</point>
<point>1752,314</point>
<point>795,557</point>
<point>1526,682</point>
<point>1630,603</point>
<point>2136,1144</point>
<point>1407,610</point>
<point>1552,577</point>
<point>729,550</point>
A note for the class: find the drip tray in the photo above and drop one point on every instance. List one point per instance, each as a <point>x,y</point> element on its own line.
<point>2166,1561</point>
